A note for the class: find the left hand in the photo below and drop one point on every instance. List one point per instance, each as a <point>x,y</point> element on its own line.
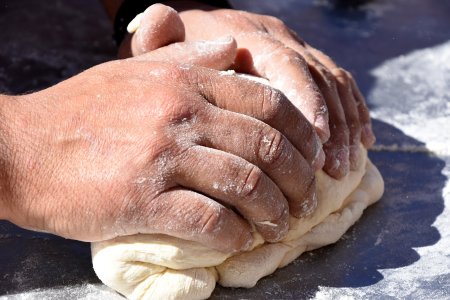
<point>326,94</point>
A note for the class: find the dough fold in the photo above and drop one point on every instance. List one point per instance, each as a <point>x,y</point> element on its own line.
<point>162,267</point>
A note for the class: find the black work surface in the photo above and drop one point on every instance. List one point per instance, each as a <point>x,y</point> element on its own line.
<point>399,52</point>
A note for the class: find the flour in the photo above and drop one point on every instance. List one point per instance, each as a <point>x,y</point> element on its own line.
<point>423,78</point>
<point>81,292</point>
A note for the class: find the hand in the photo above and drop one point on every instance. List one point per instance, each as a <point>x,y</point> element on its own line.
<point>269,49</point>
<point>139,146</point>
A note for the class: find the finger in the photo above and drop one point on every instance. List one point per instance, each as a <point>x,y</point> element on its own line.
<point>367,135</point>
<point>267,105</point>
<point>344,121</point>
<point>237,183</point>
<point>337,161</point>
<point>191,216</point>
<point>217,54</point>
<point>321,57</point>
<point>336,148</point>
<point>351,115</point>
<point>287,71</point>
<point>158,26</point>
<point>267,148</point>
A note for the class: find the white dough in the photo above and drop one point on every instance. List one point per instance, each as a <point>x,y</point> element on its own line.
<point>162,267</point>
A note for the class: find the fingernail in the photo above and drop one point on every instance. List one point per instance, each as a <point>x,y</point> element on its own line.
<point>323,130</point>
<point>368,134</point>
<point>222,40</point>
<point>340,162</point>
<point>248,244</point>
<point>275,230</point>
<point>354,157</point>
<point>309,205</point>
<point>319,159</point>
<point>343,156</point>
<point>135,23</point>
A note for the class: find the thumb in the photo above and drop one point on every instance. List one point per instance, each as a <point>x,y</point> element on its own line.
<point>216,54</point>
<point>159,25</point>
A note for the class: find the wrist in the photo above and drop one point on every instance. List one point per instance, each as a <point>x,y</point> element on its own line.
<point>6,156</point>
<point>17,127</point>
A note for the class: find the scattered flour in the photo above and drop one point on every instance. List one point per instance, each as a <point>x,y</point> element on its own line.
<point>81,292</point>
<point>423,79</point>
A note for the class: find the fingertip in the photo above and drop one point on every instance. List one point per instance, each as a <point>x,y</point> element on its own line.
<point>367,136</point>
<point>231,234</point>
<point>216,54</point>
<point>243,62</point>
<point>225,40</point>
<point>158,26</point>
<point>354,157</point>
<point>322,127</point>
<point>319,158</point>
<point>244,242</point>
<point>337,162</point>
<point>308,204</point>
<point>224,47</point>
<point>247,242</point>
<point>274,230</point>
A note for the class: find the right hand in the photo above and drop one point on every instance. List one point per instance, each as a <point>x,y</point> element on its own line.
<point>139,146</point>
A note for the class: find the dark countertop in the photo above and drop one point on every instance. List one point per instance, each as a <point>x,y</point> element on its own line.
<point>399,52</point>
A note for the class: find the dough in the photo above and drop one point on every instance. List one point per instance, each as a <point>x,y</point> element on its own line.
<point>163,267</point>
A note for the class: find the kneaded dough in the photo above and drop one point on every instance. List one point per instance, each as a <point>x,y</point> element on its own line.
<point>146,266</point>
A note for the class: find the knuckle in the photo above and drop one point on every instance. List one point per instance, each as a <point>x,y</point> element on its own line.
<point>353,122</point>
<point>296,37</point>
<point>349,75</point>
<point>339,72</point>
<point>295,57</point>
<point>272,148</point>
<point>339,120</point>
<point>340,126</point>
<point>249,181</point>
<point>343,127</point>
<point>326,75</point>
<point>275,21</point>
<point>176,111</point>
<point>272,103</point>
<point>342,76</point>
<point>212,218</point>
<point>184,74</point>
<point>309,182</point>
<point>287,55</point>
<point>354,127</point>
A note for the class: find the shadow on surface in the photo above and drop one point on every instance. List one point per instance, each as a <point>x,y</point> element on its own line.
<point>31,261</point>
<point>384,238</point>
<point>54,41</point>
<point>361,37</point>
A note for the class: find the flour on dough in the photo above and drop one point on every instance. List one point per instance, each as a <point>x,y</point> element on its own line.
<point>163,267</point>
